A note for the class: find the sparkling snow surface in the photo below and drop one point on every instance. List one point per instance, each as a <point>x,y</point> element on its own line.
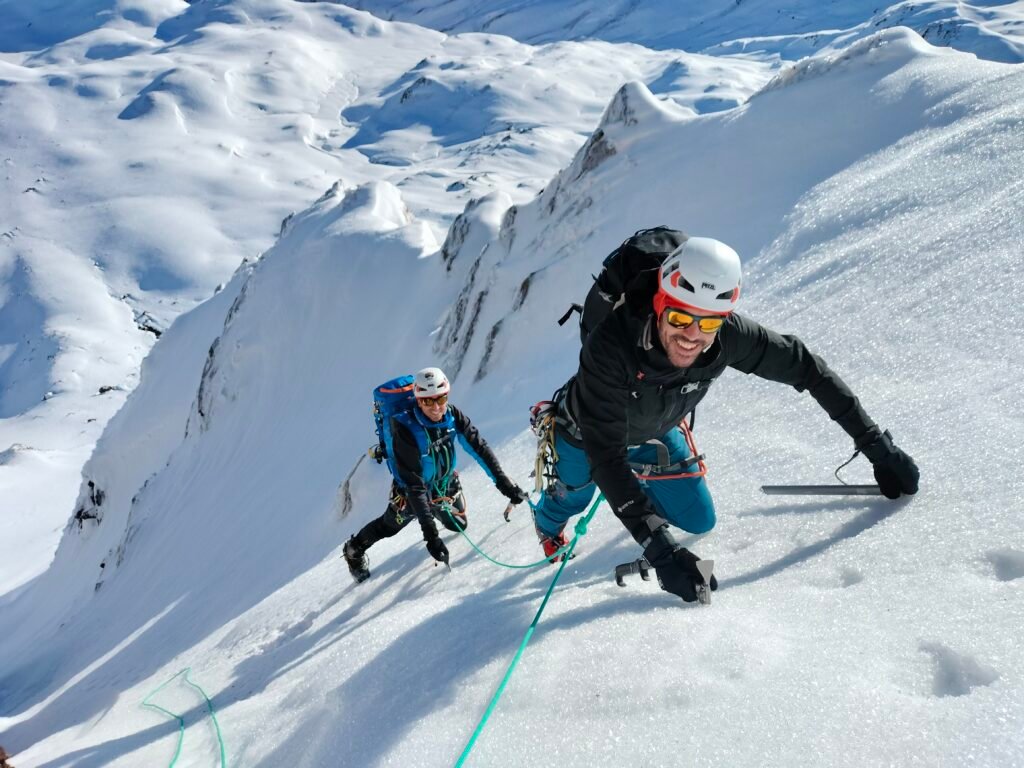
<point>874,193</point>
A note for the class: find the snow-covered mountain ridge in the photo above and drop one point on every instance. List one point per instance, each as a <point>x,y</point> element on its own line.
<point>991,29</point>
<point>151,146</point>
<point>862,191</point>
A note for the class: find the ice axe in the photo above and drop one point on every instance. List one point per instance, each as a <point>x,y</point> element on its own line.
<point>640,565</point>
<point>705,568</point>
<point>445,561</point>
<point>822,490</point>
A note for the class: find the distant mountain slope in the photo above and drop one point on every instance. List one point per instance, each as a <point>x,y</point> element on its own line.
<point>991,30</point>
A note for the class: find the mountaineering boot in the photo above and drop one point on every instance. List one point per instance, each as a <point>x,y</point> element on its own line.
<point>552,544</point>
<point>357,561</point>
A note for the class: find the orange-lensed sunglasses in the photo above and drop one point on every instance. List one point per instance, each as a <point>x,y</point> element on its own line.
<point>679,319</point>
<point>432,401</point>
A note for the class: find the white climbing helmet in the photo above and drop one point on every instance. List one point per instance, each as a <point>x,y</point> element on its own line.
<point>431,382</point>
<point>702,274</point>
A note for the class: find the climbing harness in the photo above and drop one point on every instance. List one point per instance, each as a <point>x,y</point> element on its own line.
<point>665,469</point>
<point>547,415</point>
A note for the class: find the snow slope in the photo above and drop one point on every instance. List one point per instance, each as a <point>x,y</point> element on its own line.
<point>875,198</point>
<point>150,146</point>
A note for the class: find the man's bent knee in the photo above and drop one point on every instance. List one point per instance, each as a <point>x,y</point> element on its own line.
<point>702,522</point>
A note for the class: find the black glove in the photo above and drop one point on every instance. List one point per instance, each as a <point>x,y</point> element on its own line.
<point>675,566</point>
<point>895,471</point>
<point>513,492</point>
<point>437,549</point>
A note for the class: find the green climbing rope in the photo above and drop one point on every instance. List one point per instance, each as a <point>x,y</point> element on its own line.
<point>181,718</point>
<point>581,529</point>
<point>551,558</point>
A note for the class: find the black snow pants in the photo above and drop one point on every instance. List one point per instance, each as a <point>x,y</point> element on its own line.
<point>398,515</point>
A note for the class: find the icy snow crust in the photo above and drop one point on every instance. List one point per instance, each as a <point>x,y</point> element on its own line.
<point>875,196</point>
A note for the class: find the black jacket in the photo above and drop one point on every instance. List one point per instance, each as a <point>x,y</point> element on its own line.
<point>441,440</point>
<point>627,392</point>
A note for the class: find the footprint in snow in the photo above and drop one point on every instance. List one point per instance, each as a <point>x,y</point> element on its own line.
<point>956,674</point>
<point>1007,562</point>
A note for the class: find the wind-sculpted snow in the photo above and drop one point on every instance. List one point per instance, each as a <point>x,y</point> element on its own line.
<point>24,351</point>
<point>991,30</point>
<point>30,26</point>
<point>901,44</point>
<point>734,175</point>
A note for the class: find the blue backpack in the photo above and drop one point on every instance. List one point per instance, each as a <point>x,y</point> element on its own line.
<point>390,398</point>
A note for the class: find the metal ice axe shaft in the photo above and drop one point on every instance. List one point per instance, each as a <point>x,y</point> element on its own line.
<point>822,490</point>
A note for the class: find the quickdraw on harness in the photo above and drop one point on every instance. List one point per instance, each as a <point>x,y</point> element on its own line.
<point>542,423</point>
<point>445,503</point>
<point>546,417</point>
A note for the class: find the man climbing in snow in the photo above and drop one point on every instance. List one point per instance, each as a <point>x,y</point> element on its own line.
<point>426,485</point>
<point>643,368</point>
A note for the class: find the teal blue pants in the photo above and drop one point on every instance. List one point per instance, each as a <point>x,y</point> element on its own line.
<point>685,501</point>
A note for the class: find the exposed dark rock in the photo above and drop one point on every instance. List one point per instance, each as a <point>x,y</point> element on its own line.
<point>597,150</point>
<point>284,225</point>
<point>524,290</point>
<point>463,347</point>
<point>455,239</point>
<point>90,508</point>
<point>507,233</point>
<point>451,328</point>
<point>485,360</point>
<point>203,399</point>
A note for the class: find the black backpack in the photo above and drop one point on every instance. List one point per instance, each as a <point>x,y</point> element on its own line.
<point>645,249</point>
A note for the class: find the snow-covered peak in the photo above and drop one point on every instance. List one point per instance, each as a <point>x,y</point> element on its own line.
<point>632,104</point>
<point>758,27</point>
<point>892,47</point>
